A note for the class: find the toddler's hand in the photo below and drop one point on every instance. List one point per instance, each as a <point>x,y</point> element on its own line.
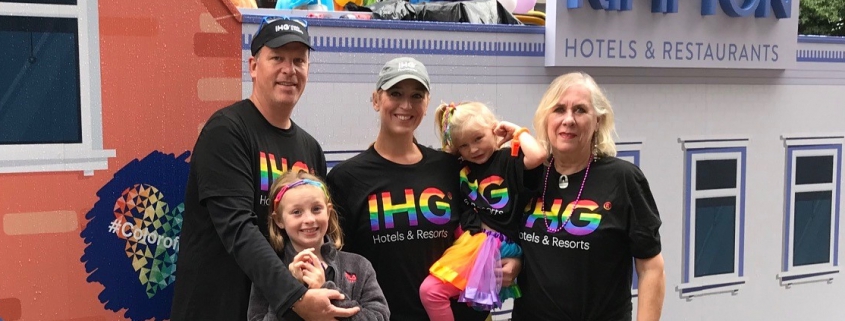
<point>504,130</point>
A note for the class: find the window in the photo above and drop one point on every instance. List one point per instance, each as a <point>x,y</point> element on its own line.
<point>50,87</point>
<point>714,216</point>
<point>334,157</point>
<point>811,209</point>
<point>630,151</point>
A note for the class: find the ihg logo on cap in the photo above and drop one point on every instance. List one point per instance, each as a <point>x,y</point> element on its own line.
<point>287,27</point>
<point>407,65</point>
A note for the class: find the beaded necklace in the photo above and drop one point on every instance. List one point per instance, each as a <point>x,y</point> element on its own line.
<point>574,206</point>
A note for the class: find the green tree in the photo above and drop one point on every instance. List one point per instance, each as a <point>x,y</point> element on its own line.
<point>822,17</point>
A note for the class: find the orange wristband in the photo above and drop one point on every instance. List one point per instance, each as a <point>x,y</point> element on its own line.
<point>515,141</point>
<point>519,132</point>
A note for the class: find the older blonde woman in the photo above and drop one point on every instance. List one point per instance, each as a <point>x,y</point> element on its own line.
<point>593,214</point>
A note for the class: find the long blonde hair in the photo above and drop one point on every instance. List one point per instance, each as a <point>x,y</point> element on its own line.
<point>451,120</point>
<point>277,235</point>
<point>606,126</point>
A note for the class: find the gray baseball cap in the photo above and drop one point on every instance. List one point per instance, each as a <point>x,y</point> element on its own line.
<point>400,69</point>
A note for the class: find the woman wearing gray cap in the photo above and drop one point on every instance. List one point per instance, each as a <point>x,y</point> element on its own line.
<point>398,199</point>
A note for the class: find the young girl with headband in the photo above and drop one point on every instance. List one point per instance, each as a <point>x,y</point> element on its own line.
<point>496,184</point>
<point>305,232</point>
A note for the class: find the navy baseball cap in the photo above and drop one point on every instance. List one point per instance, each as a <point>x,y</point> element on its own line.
<point>279,32</point>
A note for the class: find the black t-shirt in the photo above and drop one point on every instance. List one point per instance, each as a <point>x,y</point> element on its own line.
<point>236,158</point>
<point>583,272</point>
<point>499,189</point>
<point>401,218</point>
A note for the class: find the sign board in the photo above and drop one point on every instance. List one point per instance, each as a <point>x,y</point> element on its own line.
<point>747,34</point>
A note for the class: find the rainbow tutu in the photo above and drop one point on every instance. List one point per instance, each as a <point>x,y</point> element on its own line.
<point>473,265</point>
<point>510,250</point>
<point>485,279</point>
<point>455,265</point>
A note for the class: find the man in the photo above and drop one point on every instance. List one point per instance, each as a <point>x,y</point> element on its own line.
<point>239,152</point>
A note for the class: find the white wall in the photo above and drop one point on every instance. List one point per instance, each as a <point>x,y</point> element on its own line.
<point>658,115</point>
<point>655,106</point>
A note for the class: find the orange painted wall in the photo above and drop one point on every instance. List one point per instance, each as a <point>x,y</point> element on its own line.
<point>165,66</point>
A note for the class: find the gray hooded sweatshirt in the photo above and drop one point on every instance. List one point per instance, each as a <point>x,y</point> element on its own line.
<point>349,273</point>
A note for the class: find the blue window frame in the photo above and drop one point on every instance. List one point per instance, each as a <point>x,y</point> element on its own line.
<point>67,2</point>
<point>811,210</point>
<point>714,216</point>
<point>630,151</point>
<point>334,157</point>
<point>629,155</point>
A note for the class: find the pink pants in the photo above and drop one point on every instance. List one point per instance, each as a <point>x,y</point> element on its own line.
<point>435,295</point>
